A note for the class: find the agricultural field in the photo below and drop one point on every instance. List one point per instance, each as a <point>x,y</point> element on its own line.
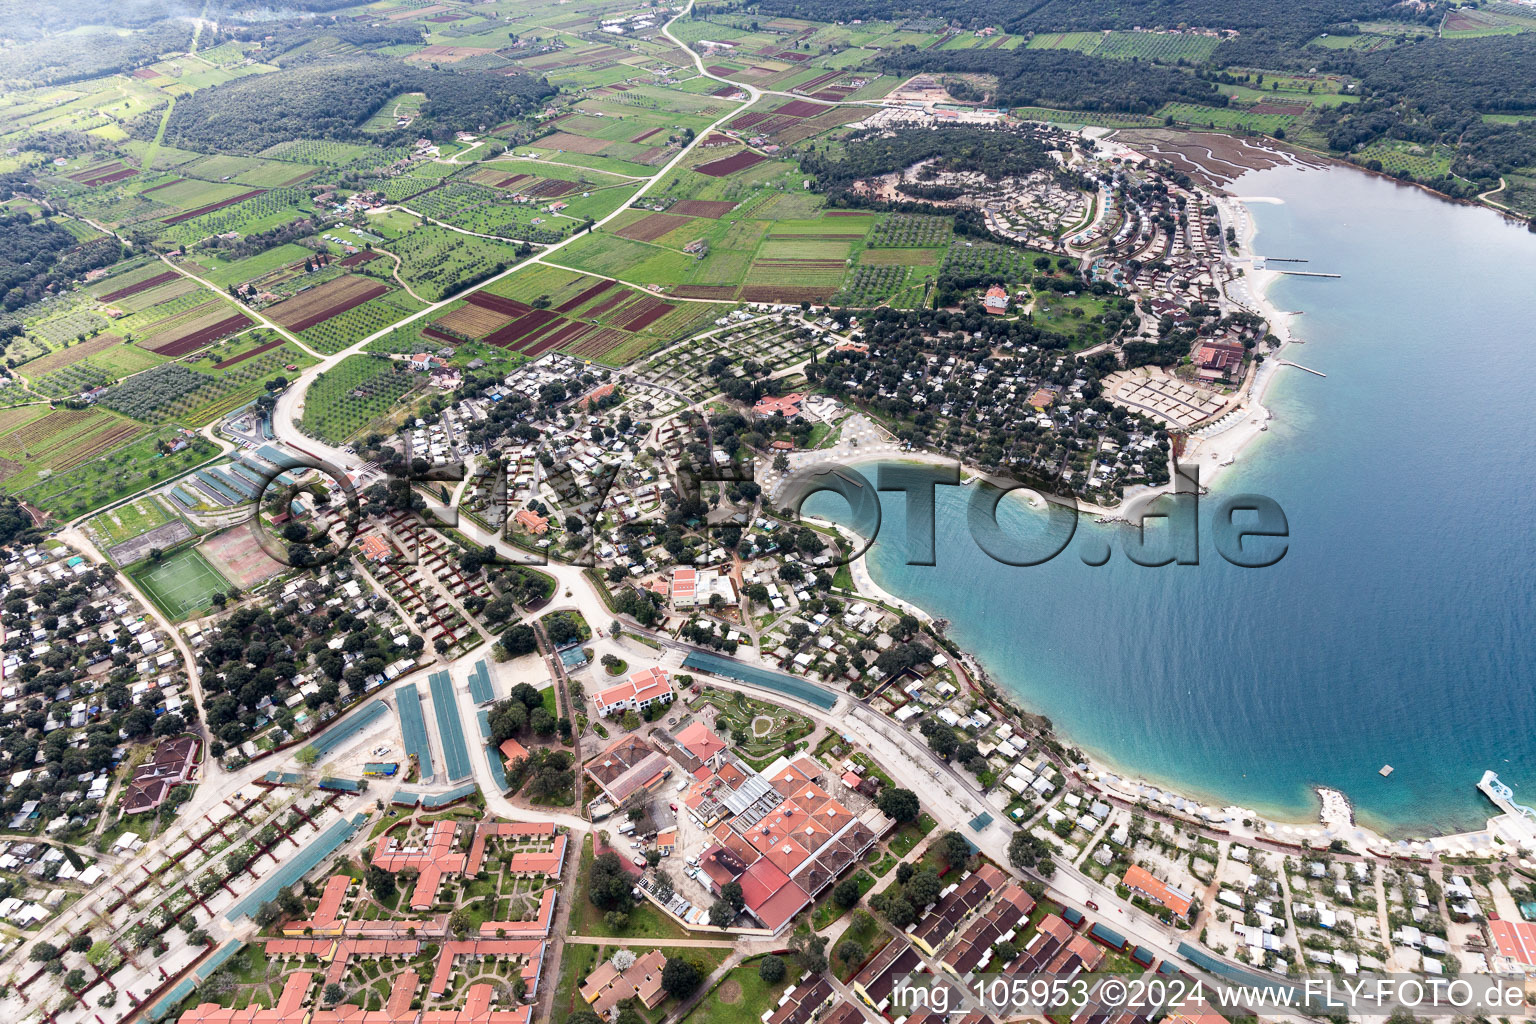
<point>37,442</point>
<point>359,391</point>
<point>436,262</point>
<point>129,520</point>
<point>1423,163</point>
<point>121,471</point>
<point>1226,117</point>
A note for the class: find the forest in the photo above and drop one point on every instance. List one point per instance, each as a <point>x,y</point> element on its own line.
<point>332,100</point>
<point>1285,18</point>
<point>997,154</point>
<point>37,253</point>
<point>1064,78</point>
<point>58,59</point>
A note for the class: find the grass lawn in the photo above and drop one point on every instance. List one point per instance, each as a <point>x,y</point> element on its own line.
<point>910,834</point>
<point>741,995</point>
<point>829,910</point>
<point>645,921</point>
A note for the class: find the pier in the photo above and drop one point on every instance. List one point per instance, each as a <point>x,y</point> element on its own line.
<point>1287,362</point>
<point>1284,259</point>
<point>1307,273</point>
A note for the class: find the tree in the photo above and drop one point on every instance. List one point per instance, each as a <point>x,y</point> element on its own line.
<point>680,977</point>
<point>953,849</point>
<point>850,952</point>
<point>609,885</point>
<point>80,943</point>
<point>731,893</point>
<point>809,949</point>
<point>334,993</point>
<point>847,893</point>
<point>771,969</point>
<point>519,640</point>
<point>721,913</point>
<point>900,804</point>
<point>380,882</point>
<point>43,952</point>
<point>924,887</point>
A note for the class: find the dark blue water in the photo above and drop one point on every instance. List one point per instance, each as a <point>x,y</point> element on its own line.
<point>1398,627</point>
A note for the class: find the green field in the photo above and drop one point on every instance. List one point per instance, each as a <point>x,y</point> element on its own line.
<point>181,584</point>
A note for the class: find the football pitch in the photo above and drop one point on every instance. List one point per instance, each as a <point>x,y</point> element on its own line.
<point>182,583</point>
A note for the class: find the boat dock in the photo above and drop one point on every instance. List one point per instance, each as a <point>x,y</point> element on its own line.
<point>1307,273</point>
<point>1284,259</point>
<point>1287,362</point>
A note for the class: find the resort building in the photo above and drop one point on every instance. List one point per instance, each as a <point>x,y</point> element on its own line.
<point>996,300</point>
<point>627,767</point>
<point>1139,880</point>
<point>789,406</point>
<point>607,986</point>
<point>641,690</point>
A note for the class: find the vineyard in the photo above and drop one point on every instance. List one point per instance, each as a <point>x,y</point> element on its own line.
<point>151,393</point>
<point>1394,157</point>
<point>1161,47</point>
<point>1225,117</point>
<point>333,154</point>
<point>345,399</point>
<point>901,230</point>
<point>477,208</point>
<point>267,210</point>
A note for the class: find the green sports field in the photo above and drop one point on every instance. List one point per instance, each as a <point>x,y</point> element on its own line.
<point>181,584</point>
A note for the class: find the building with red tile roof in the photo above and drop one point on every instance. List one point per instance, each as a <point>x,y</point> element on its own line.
<point>996,300</point>
<point>642,689</point>
<point>627,766</point>
<point>512,750</point>
<point>531,521</point>
<point>375,548</point>
<point>326,919</point>
<point>1515,940</point>
<point>531,951</point>
<point>607,986</point>
<point>438,858</point>
<point>1139,879</point>
<point>289,1008</point>
<point>789,405</point>
<point>702,743</point>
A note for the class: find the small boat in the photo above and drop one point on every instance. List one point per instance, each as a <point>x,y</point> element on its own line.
<point>1386,770</point>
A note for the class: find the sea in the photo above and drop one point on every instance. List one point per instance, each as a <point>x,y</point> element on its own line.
<point>1397,628</point>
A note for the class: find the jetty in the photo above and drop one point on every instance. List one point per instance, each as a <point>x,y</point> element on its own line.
<point>1287,362</point>
<point>1284,259</point>
<point>1516,823</point>
<point>1307,273</point>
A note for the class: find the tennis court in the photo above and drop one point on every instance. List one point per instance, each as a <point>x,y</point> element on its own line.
<point>181,584</point>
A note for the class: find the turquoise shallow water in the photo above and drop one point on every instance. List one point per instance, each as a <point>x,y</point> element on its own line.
<point>1398,627</point>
